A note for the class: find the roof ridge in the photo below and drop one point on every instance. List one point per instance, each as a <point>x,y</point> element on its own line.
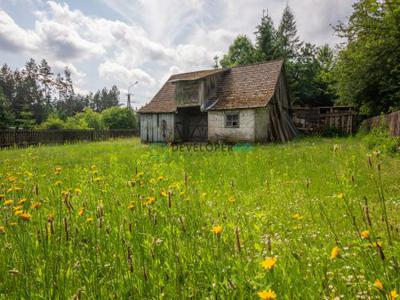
<point>258,63</point>
<point>234,67</point>
<point>191,72</point>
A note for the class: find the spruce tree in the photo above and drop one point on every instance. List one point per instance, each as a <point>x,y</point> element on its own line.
<point>266,39</point>
<point>288,42</point>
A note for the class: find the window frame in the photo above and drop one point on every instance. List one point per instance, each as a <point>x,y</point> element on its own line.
<point>231,123</point>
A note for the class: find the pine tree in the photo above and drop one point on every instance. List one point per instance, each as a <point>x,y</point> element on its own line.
<point>7,82</point>
<point>266,40</point>
<point>69,87</point>
<point>6,115</point>
<point>288,42</point>
<point>32,93</point>
<point>46,81</point>
<point>113,96</point>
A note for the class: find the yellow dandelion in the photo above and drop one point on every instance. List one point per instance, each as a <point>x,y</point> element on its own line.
<point>267,295</point>
<point>340,196</point>
<point>97,179</point>
<point>2,196</point>
<point>232,199</point>
<point>78,191</point>
<point>335,253</point>
<point>13,223</point>
<point>131,205</point>
<point>149,201</point>
<point>164,194</point>
<point>22,201</point>
<point>217,230</point>
<point>378,284</point>
<point>81,211</point>
<point>8,202</point>
<point>65,193</point>
<point>393,295</point>
<point>364,234</point>
<point>90,219</point>
<point>58,183</point>
<point>36,205</point>
<point>269,263</point>
<point>297,216</point>
<point>160,178</point>
<point>378,244</point>
<point>2,229</point>
<point>29,174</point>
<point>25,216</point>
<point>16,208</point>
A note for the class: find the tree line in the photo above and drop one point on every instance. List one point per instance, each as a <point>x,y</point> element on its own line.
<point>35,97</point>
<point>363,72</point>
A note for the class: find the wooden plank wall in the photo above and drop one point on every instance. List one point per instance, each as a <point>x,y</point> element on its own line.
<point>318,119</point>
<point>151,127</point>
<point>392,121</point>
<point>34,137</point>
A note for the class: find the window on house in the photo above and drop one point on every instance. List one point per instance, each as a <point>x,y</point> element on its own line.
<point>232,120</point>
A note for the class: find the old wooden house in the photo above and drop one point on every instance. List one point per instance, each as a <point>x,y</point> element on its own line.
<point>241,104</point>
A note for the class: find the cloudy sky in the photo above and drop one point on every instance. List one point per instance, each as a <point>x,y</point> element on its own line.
<point>120,41</point>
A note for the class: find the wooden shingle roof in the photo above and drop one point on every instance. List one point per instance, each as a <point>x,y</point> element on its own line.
<point>247,86</point>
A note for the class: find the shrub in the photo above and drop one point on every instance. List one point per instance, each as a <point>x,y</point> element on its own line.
<point>379,139</point>
<point>76,123</point>
<point>119,118</point>
<point>91,118</point>
<point>53,123</point>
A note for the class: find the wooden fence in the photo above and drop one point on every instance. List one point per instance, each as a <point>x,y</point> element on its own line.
<point>34,137</point>
<point>319,119</point>
<point>392,121</point>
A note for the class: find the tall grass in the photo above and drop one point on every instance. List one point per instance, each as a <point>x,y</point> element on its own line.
<point>317,218</point>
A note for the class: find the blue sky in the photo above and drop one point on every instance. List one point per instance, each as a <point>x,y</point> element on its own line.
<point>107,42</point>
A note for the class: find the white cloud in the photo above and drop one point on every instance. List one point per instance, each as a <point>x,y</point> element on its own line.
<point>315,17</point>
<point>61,42</point>
<point>154,38</point>
<point>15,38</point>
<point>76,74</point>
<point>111,71</point>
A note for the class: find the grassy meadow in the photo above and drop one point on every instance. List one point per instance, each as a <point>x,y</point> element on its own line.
<point>312,219</point>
